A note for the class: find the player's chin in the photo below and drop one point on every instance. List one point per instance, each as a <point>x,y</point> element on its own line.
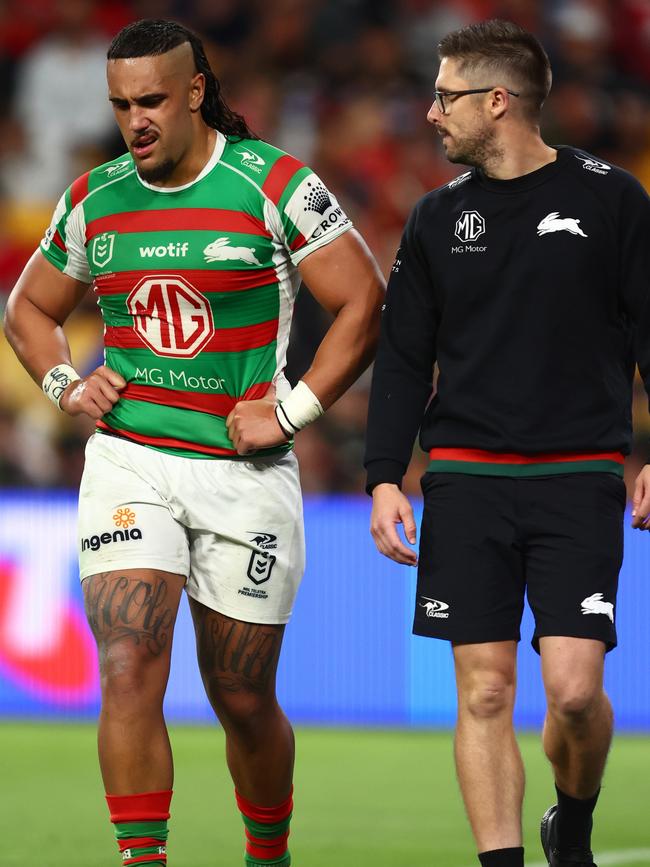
<point>154,171</point>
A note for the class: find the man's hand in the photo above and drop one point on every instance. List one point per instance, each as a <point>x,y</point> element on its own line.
<point>389,508</point>
<point>641,500</point>
<point>252,425</point>
<point>94,395</point>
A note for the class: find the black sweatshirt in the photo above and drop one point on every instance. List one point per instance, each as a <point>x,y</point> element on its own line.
<point>532,295</point>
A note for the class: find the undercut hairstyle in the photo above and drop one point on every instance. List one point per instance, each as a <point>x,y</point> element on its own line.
<point>504,53</point>
<point>152,37</point>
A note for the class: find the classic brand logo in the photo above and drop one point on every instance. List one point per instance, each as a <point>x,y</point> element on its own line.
<point>553,222</point>
<point>435,608</point>
<point>264,540</point>
<point>102,248</point>
<point>459,180</point>
<point>111,171</point>
<point>595,166</point>
<point>251,160</point>
<point>170,316</point>
<point>469,226</point>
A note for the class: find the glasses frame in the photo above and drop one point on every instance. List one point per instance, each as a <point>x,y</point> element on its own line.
<point>440,95</point>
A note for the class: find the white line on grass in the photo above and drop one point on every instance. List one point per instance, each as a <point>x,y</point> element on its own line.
<point>610,859</point>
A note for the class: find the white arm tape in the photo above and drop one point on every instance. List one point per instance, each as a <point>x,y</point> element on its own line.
<point>56,380</point>
<point>298,409</point>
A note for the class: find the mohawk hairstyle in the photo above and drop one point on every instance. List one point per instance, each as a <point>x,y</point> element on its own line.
<point>152,37</point>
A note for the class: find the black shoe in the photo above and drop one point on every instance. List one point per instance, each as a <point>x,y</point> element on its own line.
<point>571,857</point>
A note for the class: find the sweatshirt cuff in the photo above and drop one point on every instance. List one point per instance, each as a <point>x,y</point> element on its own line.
<point>384,471</point>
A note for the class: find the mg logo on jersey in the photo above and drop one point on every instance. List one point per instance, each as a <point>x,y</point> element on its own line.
<point>102,251</point>
<point>170,316</point>
<point>469,226</point>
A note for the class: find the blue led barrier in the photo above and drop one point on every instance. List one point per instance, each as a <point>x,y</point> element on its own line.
<point>349,657</point>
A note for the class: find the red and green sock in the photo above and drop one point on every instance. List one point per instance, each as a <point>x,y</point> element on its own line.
<point>267,831</point>
<point>141,827</point>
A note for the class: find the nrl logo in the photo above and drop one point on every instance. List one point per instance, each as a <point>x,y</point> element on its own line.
<point>260,566</point>
<point>102,248</point>
<point>111,171</point>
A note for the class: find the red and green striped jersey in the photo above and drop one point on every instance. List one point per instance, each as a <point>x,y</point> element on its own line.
<point>196,284</point>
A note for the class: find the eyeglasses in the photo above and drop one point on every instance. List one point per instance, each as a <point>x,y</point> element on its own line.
<point>441,95</point>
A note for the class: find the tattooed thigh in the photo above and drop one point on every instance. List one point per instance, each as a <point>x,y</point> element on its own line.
<point>235,656</point>
<point>136,606</point>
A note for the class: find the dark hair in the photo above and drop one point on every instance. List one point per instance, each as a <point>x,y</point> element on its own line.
<point>503,48</point>
<point>152,37</point>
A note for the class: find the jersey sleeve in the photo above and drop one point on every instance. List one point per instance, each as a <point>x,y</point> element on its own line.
<point>64,243</point>
<point>309,213</point>
<point>402,380</point>
<point>634,270</point>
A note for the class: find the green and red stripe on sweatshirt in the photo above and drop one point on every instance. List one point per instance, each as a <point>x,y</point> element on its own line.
<point>477,462</point>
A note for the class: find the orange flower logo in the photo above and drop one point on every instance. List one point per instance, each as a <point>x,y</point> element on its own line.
<point>124,518</point>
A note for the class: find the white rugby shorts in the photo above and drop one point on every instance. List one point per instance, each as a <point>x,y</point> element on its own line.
<point>232,528</point>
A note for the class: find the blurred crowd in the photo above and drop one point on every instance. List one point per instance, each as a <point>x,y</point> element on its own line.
<point>342,84</point>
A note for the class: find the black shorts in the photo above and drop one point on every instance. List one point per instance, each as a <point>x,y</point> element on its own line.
<point>486,541</point>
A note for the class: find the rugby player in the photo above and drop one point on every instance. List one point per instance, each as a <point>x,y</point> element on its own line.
<point>195,243</point>
<point>527,280</point>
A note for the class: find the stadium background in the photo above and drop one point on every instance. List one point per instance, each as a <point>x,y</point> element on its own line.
<point>345,86</point>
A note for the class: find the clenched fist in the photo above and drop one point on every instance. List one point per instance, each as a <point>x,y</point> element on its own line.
<point>95,395</point>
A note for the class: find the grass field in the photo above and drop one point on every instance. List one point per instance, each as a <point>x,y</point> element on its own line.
<point>364,798</point>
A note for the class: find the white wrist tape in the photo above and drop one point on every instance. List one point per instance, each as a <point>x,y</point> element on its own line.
<point>298,409</point>
<point>57,380</point>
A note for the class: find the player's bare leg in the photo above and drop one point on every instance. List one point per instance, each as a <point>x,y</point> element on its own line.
<point>132,613</point>
<point>238,663</point>
<point>488,762</point>
<point>577,732</point>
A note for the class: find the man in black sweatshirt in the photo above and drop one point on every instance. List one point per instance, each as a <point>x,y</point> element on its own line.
<point>528,281</point>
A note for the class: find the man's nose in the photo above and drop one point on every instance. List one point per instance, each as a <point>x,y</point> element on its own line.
<point>138,119</point>
<point>434,113</point>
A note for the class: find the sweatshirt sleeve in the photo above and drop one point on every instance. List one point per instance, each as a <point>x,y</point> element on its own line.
<point>634,270</point>
<point>402,379</point>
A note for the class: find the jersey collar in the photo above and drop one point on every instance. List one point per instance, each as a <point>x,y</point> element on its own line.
<point>219,146</point>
